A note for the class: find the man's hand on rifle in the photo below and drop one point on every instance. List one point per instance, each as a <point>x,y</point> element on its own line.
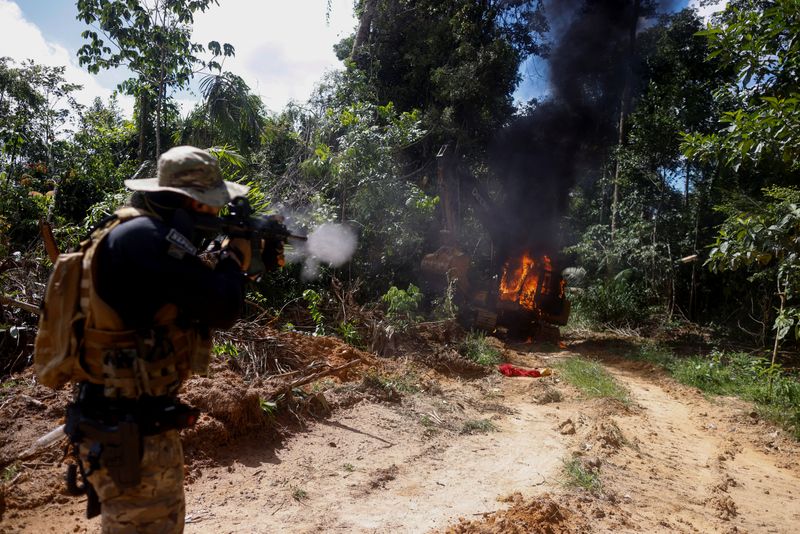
<point>241,250</point>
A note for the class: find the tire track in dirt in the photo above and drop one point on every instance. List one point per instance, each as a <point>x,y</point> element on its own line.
<point>373,468</point>
<point>691,468</point>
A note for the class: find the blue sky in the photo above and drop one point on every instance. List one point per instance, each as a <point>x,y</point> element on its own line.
<point>283,48</point>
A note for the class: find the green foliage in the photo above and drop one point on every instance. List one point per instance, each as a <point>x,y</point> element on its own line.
<point>367,178</point>
<point>20,212</point>
<point>270,408</point>
<point>775,391</point>
<point>10,472</point>
<point>615,303</point>
<point>230,113</point>
<point>402,305</point>
<point>576,475</point>
<point>349,333</point>
<point>763,237</point>
<point>758,43</point>
<point>663,201</point>
<point>476,347</point>
<point>153,40</point>
<point>313,302</point>
<point>592,379</point>
<point>226,349</point>
<point>460,64</point>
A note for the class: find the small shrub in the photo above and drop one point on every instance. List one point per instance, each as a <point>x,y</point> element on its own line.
<point>402,306</point>
<point>477,348</point>
<point>270,408</point>
<point>477,426</point>
<point>576,475</point>
<point>313,301</point>
<point>616,303</point>
<point>10,472</point>
<point>299,494</point>
<point>226,348</point>
<point>349,333</point>
<point>444,307</point>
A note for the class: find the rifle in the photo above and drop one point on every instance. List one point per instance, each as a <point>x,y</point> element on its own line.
<point>266,233</point>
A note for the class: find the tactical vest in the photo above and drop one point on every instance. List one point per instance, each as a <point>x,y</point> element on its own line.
<point>81,338</point>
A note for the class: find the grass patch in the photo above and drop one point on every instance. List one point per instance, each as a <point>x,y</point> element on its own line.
<point>349,468</point>
<point>407,383</point>
<point>9,473</point>
<point>775,392</point>
<point>7,387</point>
<point>476,348</point>
<point>576,475</point>
<point>299,494</point>
<point>477,426</point>
<point>592,379</point>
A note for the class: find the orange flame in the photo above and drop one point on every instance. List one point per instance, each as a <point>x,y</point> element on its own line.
<point>520,283</point>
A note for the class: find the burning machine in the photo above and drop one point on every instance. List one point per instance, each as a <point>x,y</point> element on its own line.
<point>525,298</point>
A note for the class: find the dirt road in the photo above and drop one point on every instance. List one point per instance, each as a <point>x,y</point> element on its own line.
<point>490,451</point>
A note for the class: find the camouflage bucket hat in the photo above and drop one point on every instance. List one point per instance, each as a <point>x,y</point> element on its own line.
<point>192,172</point>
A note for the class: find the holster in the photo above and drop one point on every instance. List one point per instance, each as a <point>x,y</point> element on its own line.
<point>120,446</point>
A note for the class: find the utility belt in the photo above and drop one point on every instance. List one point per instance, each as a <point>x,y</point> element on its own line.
<point>113,430</point>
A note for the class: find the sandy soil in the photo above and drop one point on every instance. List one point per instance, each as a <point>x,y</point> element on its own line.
<point>671,461</point>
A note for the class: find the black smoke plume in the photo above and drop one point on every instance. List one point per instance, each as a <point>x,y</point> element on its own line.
<point>538,157</point>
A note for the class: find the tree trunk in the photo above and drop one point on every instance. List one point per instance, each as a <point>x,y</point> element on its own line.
<point>693,287</point>
<point>56,179</point>
<point>158,123</point>
<point>362,35</point>
<point>144,113</point>
<point>623,110</point>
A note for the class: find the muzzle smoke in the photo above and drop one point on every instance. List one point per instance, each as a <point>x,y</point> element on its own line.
<point>330,244</point>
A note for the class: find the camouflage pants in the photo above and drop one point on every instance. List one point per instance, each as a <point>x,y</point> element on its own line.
<point>157,504</point>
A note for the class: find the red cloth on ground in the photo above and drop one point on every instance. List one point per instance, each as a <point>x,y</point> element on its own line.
<point>512,370</point>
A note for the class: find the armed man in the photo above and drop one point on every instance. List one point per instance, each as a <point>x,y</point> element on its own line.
<point>148,305</point>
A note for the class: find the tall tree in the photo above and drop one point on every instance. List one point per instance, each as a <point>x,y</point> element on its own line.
<point>456,60</point>
<point>153,39</point>
<point>229,115</point>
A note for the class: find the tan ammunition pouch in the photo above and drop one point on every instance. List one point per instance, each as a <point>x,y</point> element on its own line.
<point>89,342</point>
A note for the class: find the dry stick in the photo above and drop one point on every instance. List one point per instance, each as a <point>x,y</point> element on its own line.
<point>21,305</point>
<point>50,245</point>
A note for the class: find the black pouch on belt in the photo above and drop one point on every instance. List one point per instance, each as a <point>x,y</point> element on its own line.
<point>122,457</point>
<point>121,453</point>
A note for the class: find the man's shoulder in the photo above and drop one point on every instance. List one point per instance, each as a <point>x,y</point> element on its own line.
<point>150,235</point>
<point>143,227</point>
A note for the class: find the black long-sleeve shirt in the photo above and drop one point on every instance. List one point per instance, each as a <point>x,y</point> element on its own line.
<point>145,263</point>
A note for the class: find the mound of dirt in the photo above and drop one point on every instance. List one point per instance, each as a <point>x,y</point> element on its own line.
<point>230,409</point>
<point>540,515</point>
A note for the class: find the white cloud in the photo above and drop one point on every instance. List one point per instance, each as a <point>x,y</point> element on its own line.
<point>706,11</point>
<point>20,39</point>
<point>282,48</point>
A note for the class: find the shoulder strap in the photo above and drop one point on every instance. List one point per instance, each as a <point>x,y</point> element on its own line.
<point>128,212</point>
<point>98,313</point>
